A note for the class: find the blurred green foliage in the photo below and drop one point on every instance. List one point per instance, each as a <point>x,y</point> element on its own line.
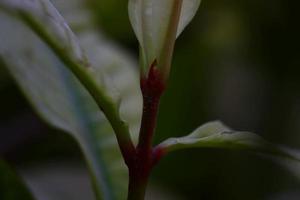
<point>11,186</point>
<point>238,61</point>
<point>112,15</point>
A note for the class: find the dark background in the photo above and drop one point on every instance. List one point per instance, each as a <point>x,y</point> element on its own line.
<point>238,61</point>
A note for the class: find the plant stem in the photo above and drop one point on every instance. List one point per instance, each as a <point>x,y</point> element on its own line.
<point>152,88</point>
<point>144,159</point>
<point>137,185</point>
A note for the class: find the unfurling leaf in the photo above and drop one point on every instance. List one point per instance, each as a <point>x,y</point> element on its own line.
<point>151,21</point>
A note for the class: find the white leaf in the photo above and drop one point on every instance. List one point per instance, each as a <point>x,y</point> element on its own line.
<point>150,20</point>
<point>46,13</point>
<point>217,135</point>
<point>58,97</point>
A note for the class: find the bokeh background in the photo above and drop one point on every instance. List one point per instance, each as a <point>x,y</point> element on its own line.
<point>238,61</point>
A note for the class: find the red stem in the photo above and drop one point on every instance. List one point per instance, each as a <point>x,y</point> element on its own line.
<point>139,169</point>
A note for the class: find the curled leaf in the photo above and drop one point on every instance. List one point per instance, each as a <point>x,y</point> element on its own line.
<point>152,19</point>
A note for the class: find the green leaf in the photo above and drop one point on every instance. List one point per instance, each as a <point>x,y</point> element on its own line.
<point>11,185</point>
<point>217,135</point>
<point>56,93</point>
<point>151,20</point>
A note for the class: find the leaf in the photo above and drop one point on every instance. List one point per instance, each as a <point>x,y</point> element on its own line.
<point>111,66</point>
<point>217,135</point>
<point>150,20</point>
<point>45,12</point>
<point>55,92</point>
<point>11,185</point>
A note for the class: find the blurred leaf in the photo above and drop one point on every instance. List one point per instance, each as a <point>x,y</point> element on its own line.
<point>45,12</point>
<point>58,96</point>
<point>11,186</point>
<point>112,18</point>
<point>217,135</point>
